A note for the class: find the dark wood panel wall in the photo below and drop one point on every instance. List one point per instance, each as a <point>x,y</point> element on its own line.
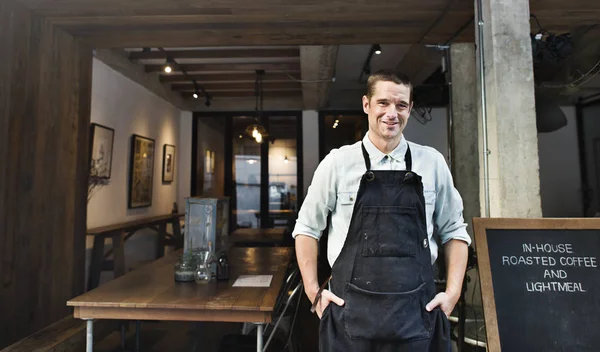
<point>45,94</point>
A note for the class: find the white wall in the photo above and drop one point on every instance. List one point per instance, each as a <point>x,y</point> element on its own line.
<point>184,162</point>
<point>128,108</point>
<point>560,176</point>
<point>433,133</point>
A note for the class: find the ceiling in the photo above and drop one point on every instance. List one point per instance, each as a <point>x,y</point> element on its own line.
<point>301,45</point>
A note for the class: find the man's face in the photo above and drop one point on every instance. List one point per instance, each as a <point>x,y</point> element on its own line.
<point>388,110</point>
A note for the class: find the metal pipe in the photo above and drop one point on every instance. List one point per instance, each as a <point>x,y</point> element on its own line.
<point>450,114</point>
<point>259,337</point>
<point>89,342</point>
<point>486,152</point>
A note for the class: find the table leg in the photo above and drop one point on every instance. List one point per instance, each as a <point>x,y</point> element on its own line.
<point>123,337</point>
<point>89,342</point>
<point>162,234</point>
<point>137,335</point>
<point>118,254</point>
<point>96,263</point>
<point>259,337</point>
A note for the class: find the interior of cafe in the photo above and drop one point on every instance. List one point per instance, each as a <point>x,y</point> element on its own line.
<point>135,133</point>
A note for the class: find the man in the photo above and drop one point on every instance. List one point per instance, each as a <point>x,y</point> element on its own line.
<point>385,196</point>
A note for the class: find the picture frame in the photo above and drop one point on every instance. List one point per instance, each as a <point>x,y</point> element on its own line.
<point>141,171</point>
<point>101,150</point>
<point>168,168</point>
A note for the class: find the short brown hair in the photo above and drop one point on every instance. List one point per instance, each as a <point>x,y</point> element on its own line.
<point>388,76</point>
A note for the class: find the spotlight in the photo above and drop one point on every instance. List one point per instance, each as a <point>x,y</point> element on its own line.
<point>195,95</point>
<point>168,68</point>
<point>377,49</point>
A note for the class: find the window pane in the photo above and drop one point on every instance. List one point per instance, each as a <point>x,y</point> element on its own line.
<point>349,129</point>
<point>283,170</point>
<point>246,175</point>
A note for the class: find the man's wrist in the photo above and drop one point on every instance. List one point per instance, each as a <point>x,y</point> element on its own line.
<point>454,295</point>
<point>311,292</point>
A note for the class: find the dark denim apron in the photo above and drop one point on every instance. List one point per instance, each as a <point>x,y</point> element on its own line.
<point>384,272</point>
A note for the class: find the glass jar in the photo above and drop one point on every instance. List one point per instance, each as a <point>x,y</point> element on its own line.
<point>202,274</point>
<point>185,268</point>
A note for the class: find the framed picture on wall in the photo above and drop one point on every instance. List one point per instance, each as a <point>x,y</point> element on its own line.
<point>101,150</point>
<point>168,170</point>
<point>141,171</point>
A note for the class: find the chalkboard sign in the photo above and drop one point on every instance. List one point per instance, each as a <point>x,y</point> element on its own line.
<point>540,283</point>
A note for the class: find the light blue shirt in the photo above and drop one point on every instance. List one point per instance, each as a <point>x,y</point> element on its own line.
<point>337,178</point>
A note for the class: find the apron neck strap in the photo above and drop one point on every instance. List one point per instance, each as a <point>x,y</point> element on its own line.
<point>407,158</point>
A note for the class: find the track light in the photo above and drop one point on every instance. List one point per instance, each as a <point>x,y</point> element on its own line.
<point>207,102</point>
<point>377,49</point>
<point>167,66</point>
<point>195,95</point>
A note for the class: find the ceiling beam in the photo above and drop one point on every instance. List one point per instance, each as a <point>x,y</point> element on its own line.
<point>249,86</point>
<point>216,54</point>
<point>119,61</point>
<point>244,94</point>
<point>246,104</point>
<point>419,63</point>
<point>317,70</point>
<point>230,77</point>
<point>287,67</point>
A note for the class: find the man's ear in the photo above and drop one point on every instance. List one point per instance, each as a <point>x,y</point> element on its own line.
<point>365,104</point>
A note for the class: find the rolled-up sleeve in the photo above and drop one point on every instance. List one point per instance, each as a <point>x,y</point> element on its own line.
<point>320,200</point>
<point>448,214</point>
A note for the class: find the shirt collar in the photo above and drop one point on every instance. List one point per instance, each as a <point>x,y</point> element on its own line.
<point>376,155</point>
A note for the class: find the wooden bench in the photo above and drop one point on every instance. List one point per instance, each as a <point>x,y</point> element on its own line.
<point>67,334</point>
<point>120,233</point>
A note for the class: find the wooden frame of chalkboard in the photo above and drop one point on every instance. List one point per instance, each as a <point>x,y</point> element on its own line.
<point>481,227</point>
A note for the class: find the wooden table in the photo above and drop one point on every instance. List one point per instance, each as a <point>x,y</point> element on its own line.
<point>151,293</point>
<point>119,233</point>
<point>264,237</point>
<point>274,214</point>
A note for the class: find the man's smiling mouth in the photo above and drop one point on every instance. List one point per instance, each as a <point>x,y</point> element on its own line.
<point>390,123</point>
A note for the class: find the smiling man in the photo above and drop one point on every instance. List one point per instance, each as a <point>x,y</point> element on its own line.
<point>385,196</point>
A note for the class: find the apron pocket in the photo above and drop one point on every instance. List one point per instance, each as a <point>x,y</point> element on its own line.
<point>389,231</point>
<point>385,316</point>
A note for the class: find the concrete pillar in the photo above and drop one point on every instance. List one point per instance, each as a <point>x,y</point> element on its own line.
<point>514,182</point>
<point>465,147</point>
<point>310,145</point>
<point>317,66</point>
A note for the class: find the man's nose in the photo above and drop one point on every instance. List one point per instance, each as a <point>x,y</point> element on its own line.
<point>392,112</point>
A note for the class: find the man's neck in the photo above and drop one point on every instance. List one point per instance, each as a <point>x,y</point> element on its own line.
<point>385,146</point>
